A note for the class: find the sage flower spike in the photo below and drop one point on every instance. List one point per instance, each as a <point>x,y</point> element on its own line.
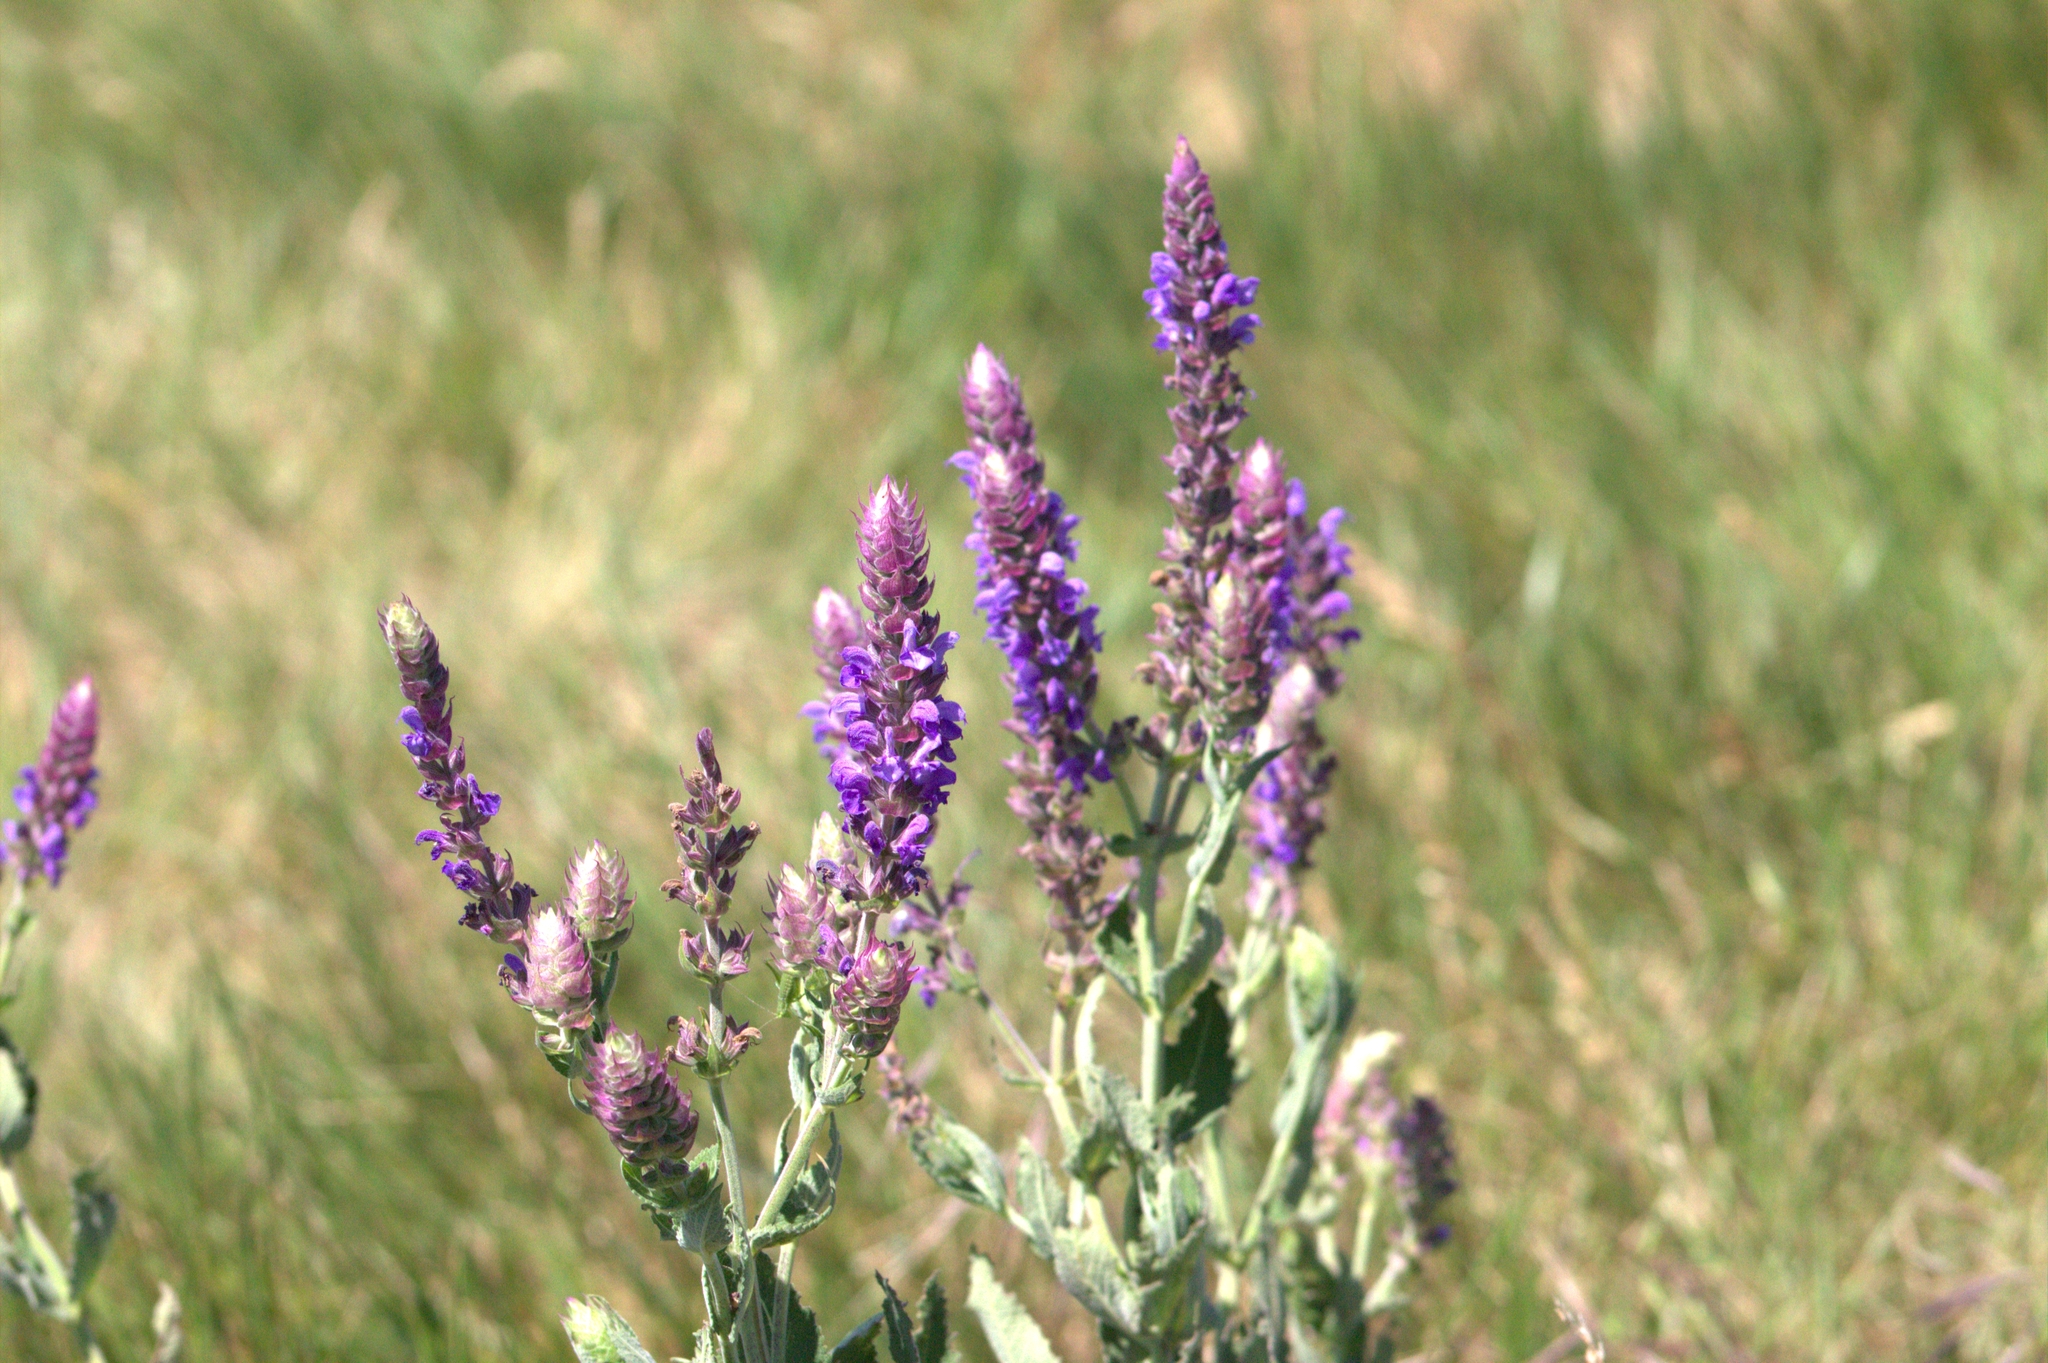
<point>1194,298</point>
<point>709,845</point>
<point>55,796</point>
<point>552,976</point>
<point>650,1121</point>
<point>897,764</point>
<point>499,902</point>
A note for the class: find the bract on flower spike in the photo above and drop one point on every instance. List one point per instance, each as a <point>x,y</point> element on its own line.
<point>55,796</point>
<point>595,896</point>
<point>499,902</point>
<point>552,976</point>
<point>896,767</point>
<point>1194,298</point>
<point>868,999</point>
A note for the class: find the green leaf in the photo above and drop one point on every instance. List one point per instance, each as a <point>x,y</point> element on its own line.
<point>1113,1099</point>
<point>1319,1004</point>
<point>1118,948</point>
<point>1095,1153</point>
<point>1191,965</point>
<point>960,1162</point>
<point>93,1213</point>
<point>1038,1197</point>
<point>859,1344</point>
<point>17,1099</point>
<point>1088,1267</point>
<point>599,1334</point>
<point>803,1056</point>
<point>932,1331</point>
<point>1197,1068</point>
<point>810,1200</point>
<point>1013,1335</point>
<point>1084,1021</point>
<point>900,1333</point>
<point>800,1334</point>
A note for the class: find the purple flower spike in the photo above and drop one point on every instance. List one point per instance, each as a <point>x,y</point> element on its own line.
<point>868,1000</point>
<point>1024,546</point>
<point>835,627</point>
<point>55,796</point>
<point>1424,1165</point>
<point>894,770</point>
<point>709,845</point>
<point>648,1118</point>
<point>553,978</point>
<point>499,903</point>
<point>799,906</point>
<point>1192,297</point>
<point>1284,812</point>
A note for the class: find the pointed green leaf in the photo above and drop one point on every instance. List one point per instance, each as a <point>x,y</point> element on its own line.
<point>859,1344</point>
<point>93,1213</point>
<point>1013,1335</point>
<point>1088,1267</point>
<point>898,1331</point>
<point>599,1334</point>
<point>932,1332</point>
<point>1118,948</point>
<point>1114,1099</point>
<point>1038,1197</point>
<point>1190,965</point>
<point>960,1162</point>
<point>17,1099</point>
<point>1197,1068</point>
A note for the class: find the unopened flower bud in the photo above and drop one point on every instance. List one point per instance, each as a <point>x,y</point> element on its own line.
<point>649,1120</point>
<point>869,1001</point>
<point>800,907</point>
<point>553,978</point>
<point>596,897</point>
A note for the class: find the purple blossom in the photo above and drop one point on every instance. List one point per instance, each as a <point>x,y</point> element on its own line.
<point>936,917</point>
<point>868,999</point>
<point>551,975</point>
<point>1193,298</point>
<point>893,773</point>
<point>709,845</point>
<point>909,1107</point>
<point>55,796</point>
<point>835,627</point>
<point>595,896</point>
<point>499,903</point>
<point>649,1119</point>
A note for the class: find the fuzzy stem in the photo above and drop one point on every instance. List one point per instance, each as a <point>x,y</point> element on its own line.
<point>14,926</point>
<point>1368,1221</point>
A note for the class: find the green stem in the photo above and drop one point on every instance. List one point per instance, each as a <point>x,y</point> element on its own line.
<point>800,1150</point>
<point>752,1339</point>
<point>1368,1220</point>
<point>14,925</point>
<point>1048,1080</point>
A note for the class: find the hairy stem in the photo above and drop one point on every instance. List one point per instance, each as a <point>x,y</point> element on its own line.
<point>14,925</point>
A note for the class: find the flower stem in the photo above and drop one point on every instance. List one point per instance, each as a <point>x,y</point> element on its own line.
<point>14,925</point>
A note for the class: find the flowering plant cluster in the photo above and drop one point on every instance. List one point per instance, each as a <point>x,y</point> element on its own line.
<point>1181,1242</point>
<point>53,801</point>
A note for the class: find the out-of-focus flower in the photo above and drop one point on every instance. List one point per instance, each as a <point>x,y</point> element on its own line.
<point>1424,1166</point>
<point>909,1108</point>
<point>936,918</point>
<point>55,796</point>
<point>835,627</point>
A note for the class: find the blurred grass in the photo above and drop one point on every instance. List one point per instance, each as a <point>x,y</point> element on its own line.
<point>1683,369</point>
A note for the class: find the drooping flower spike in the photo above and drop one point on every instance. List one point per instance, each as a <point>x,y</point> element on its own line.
<point>897,763</point>
<point>56,793</point>
<point>499,901</point>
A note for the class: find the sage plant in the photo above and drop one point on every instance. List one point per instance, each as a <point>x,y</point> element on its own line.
<point>1185,1236</point>
<point>54,799</point>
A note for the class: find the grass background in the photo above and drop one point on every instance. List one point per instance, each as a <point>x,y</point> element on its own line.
<point>1682,368</point>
